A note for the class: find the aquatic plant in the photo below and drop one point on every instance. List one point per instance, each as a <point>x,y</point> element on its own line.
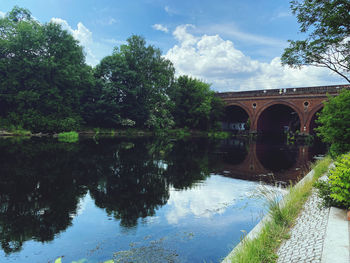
<point>69,137</point>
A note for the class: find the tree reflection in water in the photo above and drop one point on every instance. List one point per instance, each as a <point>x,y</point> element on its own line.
<point>42,181</point>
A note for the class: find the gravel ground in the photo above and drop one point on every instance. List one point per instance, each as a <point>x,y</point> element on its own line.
<point>307,236</point>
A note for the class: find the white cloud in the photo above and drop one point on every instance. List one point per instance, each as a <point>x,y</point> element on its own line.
<point>114,41</point>
<point>2,14</point>
<point>218,61</point>
<point>231,30</point>
<point>160,27</point>
<point>204,201</point>
<point>83,35</point>
<point>171,11</point>
<point>107,21</point>
<point>283,14</point>
<point>112,21</point>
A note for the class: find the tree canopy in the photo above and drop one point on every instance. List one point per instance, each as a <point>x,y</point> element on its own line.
<point>42,74</point>
<point>196,106</point>
<point>46,86</point>
<point>334,121</point>
<point>134,83</point>
<point>327,24</point>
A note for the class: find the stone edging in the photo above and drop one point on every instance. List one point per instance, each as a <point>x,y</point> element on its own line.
<point>257,229</point>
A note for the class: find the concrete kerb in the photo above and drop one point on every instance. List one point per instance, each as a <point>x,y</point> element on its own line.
<point>257,229</point>
<point>336,243</point>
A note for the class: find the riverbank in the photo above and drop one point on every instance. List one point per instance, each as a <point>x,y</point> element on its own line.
<point>262,243</point>
<point>98,132</point>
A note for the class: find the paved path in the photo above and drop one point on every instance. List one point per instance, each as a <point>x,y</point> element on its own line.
<point>320,235</point>
<point>307,236</point>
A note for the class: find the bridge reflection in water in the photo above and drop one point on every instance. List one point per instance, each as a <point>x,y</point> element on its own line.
<point>272,162</point>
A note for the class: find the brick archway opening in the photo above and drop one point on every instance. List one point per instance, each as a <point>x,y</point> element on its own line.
<point>277,119</point>
<point>235,119</point>
<point>313,124</point>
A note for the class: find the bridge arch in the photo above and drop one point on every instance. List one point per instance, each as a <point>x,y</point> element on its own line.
<point>277,110</point>
<point>311,118</point>
<point>236,117</point>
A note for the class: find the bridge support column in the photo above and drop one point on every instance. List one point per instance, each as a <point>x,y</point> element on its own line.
<point>305,129</point>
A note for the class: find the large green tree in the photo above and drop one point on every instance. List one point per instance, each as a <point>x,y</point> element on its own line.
<point>327,25</point>
<point>134,83</point>
<point>196,106</point>
<point>334,121</point>
<point>43,74</point>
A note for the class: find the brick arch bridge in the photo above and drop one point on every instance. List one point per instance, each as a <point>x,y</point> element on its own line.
<point>304,101</point>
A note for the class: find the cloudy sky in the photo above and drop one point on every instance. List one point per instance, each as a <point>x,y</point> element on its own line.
<point>232,44</point>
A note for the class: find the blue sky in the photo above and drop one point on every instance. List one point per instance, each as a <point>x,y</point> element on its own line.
<point>232,44</point>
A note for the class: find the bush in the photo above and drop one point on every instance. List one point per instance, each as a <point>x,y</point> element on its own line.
<point>324,192</point>
<point>339,180</point>
<point>336,191</point>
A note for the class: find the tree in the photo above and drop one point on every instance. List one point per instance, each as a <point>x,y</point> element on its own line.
<point>42,74</point>
<point>328,42</point>
<point>195,104</point>
<point>334,121</point>
<point>135,81</point>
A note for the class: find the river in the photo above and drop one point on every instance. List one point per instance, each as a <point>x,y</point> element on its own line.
<point>137,200</point>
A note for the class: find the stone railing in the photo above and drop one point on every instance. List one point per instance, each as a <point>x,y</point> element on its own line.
<point>287,91</point>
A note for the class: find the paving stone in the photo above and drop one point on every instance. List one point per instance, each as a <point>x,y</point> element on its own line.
<point>307,236</point>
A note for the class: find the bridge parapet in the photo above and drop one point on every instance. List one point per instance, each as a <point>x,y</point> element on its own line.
<point>287,91</point>
<point>305,101</point>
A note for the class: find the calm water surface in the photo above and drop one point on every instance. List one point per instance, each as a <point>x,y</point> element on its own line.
<point>136,200</point>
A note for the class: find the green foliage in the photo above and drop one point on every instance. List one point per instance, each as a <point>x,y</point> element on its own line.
<point>327,44</point>
<point>324,192</point>
<point>339,180</point>
<point>219,135</point>
<point>321,166</point>
<point>43,74</point>
<point>134,82</point>
<point>70,137</point>
<point>196,106</point>
<point>334,121</point>
<point>179,133</point>
<point>13,129</point>
<point>45,85</point>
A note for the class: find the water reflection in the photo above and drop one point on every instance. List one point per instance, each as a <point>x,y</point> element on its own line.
<point>268,162</point>
<point>42,181</point>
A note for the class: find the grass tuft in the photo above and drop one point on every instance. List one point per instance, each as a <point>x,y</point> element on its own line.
<point>69,137</point>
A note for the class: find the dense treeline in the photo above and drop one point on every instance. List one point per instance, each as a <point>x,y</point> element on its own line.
<point>45,84</point>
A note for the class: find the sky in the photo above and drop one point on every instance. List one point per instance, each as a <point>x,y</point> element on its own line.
<point>235,45</point>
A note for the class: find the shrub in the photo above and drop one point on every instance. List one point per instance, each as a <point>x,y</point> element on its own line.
<point>339,180</point>
<point>324,192</point>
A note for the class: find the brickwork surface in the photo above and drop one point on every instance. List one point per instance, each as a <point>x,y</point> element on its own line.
<point>307,236</point>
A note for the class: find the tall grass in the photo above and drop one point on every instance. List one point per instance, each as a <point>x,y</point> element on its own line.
<point>69,137</point>
<point>282,216</point>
